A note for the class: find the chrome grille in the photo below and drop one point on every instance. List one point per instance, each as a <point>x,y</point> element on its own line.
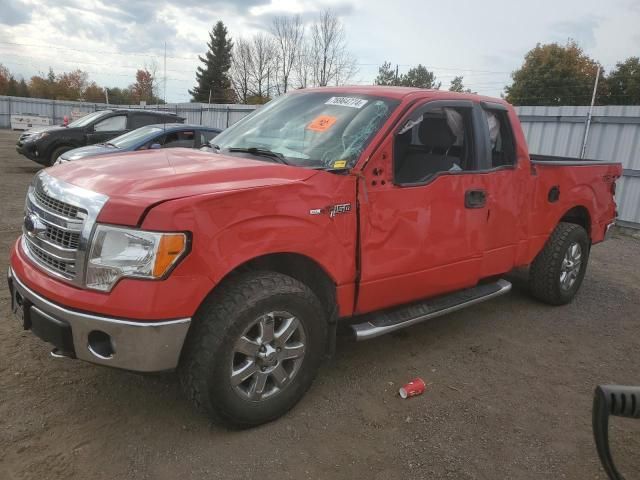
<point>62,238</point>
<point>64,268</point>
<point>54,205</point>
<point>59,218</point>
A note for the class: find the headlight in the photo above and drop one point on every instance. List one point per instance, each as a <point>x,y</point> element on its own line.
<point>36,136</point>
<point>122,252</point>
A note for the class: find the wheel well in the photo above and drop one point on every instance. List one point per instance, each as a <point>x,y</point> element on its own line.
<point>56,146</point>
<point>302,269</point>
<point>580,216</point>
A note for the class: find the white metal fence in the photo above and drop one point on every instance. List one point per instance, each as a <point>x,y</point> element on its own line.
<point>213,115</point>
<point>614,135</point>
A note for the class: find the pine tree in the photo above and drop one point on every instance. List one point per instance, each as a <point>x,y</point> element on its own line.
<point>213,78</point>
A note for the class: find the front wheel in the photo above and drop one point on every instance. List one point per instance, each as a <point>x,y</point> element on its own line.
<point>254,349</point>
<point>56,153</point>
<point>557,272</point>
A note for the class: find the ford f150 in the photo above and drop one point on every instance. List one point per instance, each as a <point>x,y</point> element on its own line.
<point>371,208</point>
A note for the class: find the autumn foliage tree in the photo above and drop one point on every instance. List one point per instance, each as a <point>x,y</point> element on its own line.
<point>144,88</point>
<point>554,74</point>
<point>623,83</point>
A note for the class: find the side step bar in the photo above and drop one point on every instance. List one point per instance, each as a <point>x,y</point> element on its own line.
<point>373,325</point>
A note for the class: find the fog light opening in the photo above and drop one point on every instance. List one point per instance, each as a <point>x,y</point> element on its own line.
<point>100,344</point>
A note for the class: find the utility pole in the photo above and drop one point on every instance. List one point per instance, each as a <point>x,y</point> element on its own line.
<point>589,116</point>
<point>209,96</point>
<point>106,95</point>
<point>396,80</point>
<point>164,96</point>
<point>268,80</point>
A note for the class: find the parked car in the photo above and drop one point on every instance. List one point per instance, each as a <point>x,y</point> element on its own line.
<point>169,135</point>
<point>45,144</point>
<point>373,208</point>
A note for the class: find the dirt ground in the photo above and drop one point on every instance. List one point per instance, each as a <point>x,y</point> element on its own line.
<point>509,394</point>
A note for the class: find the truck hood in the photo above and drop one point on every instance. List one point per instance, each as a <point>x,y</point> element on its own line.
<point>136,181</point>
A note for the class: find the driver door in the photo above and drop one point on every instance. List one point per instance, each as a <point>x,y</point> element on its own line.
<point>423,210</point>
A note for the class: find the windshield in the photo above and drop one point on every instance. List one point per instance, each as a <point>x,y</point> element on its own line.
<point>316,129</point>
<point>131,139</point>
<point>87,119</point>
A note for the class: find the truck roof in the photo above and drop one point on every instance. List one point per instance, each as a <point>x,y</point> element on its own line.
<point>400,93</point>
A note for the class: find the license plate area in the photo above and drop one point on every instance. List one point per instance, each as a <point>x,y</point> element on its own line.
<point>20,307</point>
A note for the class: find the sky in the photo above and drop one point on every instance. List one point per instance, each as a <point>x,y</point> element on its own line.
<point>482,40</point>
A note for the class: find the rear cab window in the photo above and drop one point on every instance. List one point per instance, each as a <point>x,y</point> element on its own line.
<point>501,141</point>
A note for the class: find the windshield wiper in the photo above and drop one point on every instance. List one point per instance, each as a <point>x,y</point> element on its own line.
<point>109,144</point>
<point>262,152</point>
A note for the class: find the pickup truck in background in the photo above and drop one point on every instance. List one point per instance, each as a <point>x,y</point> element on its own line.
<point>45,144</point>
<point>372,208</point>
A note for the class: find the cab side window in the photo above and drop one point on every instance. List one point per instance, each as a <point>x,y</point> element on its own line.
<point>112,124</point>
<point>439,140</point>
<point>503,152</point>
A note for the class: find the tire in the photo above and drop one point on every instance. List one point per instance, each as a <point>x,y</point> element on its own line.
<point>56,153</point>
<point>557,272</point>
<point>214,349</point>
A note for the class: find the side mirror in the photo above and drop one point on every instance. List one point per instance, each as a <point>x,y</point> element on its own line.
<point>155,146</point>
<point>612,400</point>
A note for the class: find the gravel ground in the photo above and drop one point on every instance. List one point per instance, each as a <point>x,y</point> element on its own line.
<point>509,394</point>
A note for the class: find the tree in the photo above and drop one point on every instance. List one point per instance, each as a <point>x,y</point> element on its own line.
<point>23,88</point>
<point>624,83</point>
<point>5,77</point>
<point>386,75</point>
<point>241,69</point>
<point>142,90</point>
<point>120,96</point>
<point>331,62</point>
<point>288,33</point>
<point>263,54</point>
<point>94,93</point>
<point>213,78</point>
<point>458,86</point>
<point>553,74</point>
<point>71,85</point>
<point>40,87</point>
<point>419,77</point>
<point>12,87</point>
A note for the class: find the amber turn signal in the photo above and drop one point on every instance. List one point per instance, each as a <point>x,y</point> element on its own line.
<point>171,246</point>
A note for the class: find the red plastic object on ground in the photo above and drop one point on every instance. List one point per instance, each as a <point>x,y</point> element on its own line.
<point>412,389</point>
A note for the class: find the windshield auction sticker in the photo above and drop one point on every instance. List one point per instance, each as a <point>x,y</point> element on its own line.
<point>321,123</point>
<point>352,102</point>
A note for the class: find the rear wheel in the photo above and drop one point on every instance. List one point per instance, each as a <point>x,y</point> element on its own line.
<point>254,349</point>
<point>557,272</point>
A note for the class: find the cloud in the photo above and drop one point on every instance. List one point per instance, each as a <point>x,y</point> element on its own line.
<point>14,12</point>
<point>582,31</point>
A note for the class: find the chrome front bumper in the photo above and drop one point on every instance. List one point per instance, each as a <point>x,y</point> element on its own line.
<point>131,345</point>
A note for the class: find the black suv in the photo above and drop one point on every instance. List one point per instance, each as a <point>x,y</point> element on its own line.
<point>45,145</point>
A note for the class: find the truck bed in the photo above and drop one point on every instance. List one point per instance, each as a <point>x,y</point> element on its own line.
<point>565,183</point>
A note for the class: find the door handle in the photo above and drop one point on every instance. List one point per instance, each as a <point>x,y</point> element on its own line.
<point>475,198</point>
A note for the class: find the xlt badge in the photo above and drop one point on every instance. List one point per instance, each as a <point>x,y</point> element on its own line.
<point>332,209</point>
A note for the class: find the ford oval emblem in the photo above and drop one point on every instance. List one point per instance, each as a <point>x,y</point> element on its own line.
<point>33,225</point>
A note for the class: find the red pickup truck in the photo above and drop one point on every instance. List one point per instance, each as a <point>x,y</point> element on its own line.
<point>368,208</point>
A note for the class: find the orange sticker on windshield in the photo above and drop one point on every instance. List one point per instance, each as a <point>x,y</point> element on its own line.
<point>321,123</point>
